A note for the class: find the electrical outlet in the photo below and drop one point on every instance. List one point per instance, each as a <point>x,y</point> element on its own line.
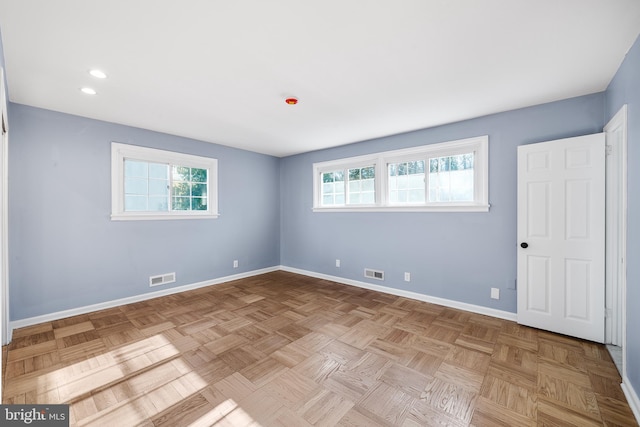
<point>495,293</point>
<point>235,263</point>
<point>337,263</point>
<point>407,277</point>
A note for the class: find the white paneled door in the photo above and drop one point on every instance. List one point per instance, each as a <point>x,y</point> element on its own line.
<point>561,236</point>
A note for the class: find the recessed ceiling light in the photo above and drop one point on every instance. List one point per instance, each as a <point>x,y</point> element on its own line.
<point>98,74</point>
<point>88,91</point>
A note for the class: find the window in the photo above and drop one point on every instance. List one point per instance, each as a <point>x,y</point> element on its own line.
<point>450,176</point>
<point>406,182</point>
<point>361,182</point>
<point>154,184</point>
<point>333,188</point>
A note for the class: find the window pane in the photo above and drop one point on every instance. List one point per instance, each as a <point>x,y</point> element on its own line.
<point>368,197</point>
<point>368,173</point>
<point>416,181</point>
<point>433,165</point>
<point>199,190</point>
<point>199,203</point>
<point>189,188</point>
<point>361,188</point>
<point>158,171</point>
<point>415,196</point>
<point>181,203</point>
<point>181,173</point>
<point>136,186</point>
<point>144,180</point>
<point>332,188</point>
<point>135,168</point>
<point>407,186</point>
<point>198,175</point>
<point>135,203</point>
<point>403,182</point>
<point>158,204</point>
<point>181,189</point>
<point>415,167</point>
<point>451,178</point>
<point>158,187</point>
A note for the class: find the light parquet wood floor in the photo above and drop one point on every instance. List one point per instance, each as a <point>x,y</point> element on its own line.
<point>282,349</point>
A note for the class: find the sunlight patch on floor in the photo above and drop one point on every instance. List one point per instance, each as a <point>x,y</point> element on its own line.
<point>227,413</point>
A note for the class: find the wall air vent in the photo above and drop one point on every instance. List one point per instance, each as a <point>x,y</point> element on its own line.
<point>374,274</point>
<point>162,279</point>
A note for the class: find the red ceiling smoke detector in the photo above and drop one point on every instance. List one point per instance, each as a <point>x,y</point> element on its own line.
<point>291,101</point>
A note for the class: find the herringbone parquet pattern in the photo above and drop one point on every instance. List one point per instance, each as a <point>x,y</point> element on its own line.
<point>282,349</point>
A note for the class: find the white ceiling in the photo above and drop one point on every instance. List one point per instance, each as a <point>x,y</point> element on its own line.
<point>219,71</point>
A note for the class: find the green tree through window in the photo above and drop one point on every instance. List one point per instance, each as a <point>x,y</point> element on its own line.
<point>189,188</point>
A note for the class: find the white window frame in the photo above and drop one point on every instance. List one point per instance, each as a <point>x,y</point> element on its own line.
<point>478,145</point>
<point>120,152</point>
<point>353,165</point>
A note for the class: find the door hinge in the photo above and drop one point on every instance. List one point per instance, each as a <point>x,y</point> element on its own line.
<point>609,149</point>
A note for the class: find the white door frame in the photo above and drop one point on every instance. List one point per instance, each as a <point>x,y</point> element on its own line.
<point>4,284</point>
<point>616,258</point>
<point>4,243</point>
<point>4,249</point>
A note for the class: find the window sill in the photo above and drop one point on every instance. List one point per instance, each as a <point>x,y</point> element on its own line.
<point>444,208</point>
<point>152,217</point>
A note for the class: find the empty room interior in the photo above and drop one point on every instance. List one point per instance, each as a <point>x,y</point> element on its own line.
<point>344,213</point>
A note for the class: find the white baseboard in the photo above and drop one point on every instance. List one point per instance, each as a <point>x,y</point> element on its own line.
<point>21,323</point>
<point>408,294</point>
<point>632,398</point>
<point>129,300</point>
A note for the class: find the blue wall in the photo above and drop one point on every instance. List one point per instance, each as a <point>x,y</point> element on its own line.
<point>625,89</point>
<point>65,252</point>
<point>457,256</point>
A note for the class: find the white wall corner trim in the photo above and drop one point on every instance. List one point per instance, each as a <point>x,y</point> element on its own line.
<point>16,324</point>
<point>408,294</point>
<point>632,397</point>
